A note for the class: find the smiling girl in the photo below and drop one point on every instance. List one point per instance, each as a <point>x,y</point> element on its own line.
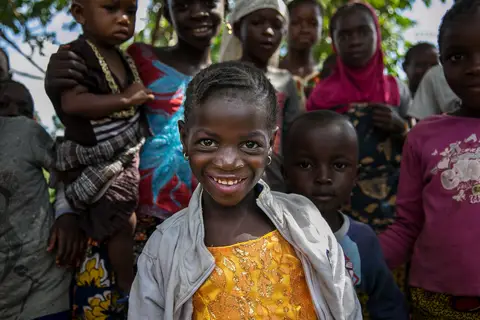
<point>238,248</point>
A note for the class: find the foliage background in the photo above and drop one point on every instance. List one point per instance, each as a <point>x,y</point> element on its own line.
<point>29,19</point>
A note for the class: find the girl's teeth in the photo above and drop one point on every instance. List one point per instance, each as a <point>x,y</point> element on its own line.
<point>204,29</point>
<point>226,182</point>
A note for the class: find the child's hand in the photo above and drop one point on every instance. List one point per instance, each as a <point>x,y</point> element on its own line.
<point>137,94</point>
<point>384,117</point>
<point>68,240</point>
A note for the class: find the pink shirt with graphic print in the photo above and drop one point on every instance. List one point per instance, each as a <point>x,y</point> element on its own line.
<point>438,207</point>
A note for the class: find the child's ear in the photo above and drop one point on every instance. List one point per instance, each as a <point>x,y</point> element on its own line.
<point>183,135</point>
<point>77,12</point>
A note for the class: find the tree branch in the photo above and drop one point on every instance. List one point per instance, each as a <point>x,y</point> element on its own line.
<point>14,46</point>
<point>26,75</point>
<point>156,27</point>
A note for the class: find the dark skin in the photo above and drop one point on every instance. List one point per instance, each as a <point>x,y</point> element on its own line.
<point>461,62</point>
<point>355,38</point>
<point>323,170</point>
<point>188,56</point>
<point>228,141</point>
<point>15,101</point>
<point>304,29</point>
<point>67,240</point>
<point>420,62</point>
<point>261,33</point>
<point>107,24</point>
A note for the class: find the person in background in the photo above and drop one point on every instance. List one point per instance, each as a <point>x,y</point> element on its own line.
<point>377,104</point>
<point>433,96</point>
<point>166,180</point>
<point>438,199</point>
<point>32,286</point>
<point>304,31</point>
<point>4,66</point>
<point>258,28</point>
<point>325,170</point>
<point>418,60</point>
<point>16,99</point>
<point>239,250</point>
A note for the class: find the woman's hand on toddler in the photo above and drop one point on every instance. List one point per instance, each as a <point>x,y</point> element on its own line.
<point>137,94</point>
<point>385,118</point>
<point>65,70</point>
<point>68,240</point>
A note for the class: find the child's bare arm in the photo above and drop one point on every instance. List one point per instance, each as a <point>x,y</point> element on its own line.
<point>78,101</point>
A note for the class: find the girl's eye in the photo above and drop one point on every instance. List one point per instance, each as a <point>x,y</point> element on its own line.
<point>180,6</point>
<point>305,165</point>
<point>207,143</point>
<point>251,145</point>
<point>110,8</point>
<point>132,11</point>
<point>457,57</point>
<point>340,166</point>
<point>212,3</point>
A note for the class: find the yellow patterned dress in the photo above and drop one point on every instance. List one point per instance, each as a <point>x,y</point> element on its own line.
<point>258,279</point>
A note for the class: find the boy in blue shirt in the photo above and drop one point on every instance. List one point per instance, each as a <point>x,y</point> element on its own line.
<point>320,163</point>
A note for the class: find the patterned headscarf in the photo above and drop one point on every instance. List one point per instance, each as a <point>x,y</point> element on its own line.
<point>231,48</point>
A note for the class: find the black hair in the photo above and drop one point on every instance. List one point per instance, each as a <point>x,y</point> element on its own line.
<point>295,3</point>
<point>313,119</point>
<point>345,9</point>
<point>417,48</point>
<point>457,12</point>
<point>28,111</point>
<point>230,78</point>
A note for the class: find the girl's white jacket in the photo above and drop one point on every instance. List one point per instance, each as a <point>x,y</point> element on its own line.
<point>175,261</point>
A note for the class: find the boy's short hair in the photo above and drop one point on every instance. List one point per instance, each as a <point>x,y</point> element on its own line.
<point>315,119</point>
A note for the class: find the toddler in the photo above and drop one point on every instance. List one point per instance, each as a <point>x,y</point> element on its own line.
<point>104,130</point>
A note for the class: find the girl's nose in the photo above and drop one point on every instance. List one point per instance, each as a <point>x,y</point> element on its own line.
<point>269,31</point>
<point>228,159</point>
<point>322,176</point>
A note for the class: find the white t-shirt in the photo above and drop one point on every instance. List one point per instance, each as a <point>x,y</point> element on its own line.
<point>433,96</point>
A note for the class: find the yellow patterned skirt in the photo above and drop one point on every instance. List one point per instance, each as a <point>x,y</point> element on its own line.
<point>439,306</point>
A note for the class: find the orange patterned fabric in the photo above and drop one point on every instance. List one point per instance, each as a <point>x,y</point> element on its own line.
<point>258,279</point>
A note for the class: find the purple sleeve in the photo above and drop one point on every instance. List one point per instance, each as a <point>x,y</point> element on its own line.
<point>398,241</point>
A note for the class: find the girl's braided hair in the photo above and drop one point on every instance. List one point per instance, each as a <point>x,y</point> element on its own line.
<point>459,10</point>
<point>232,79</point>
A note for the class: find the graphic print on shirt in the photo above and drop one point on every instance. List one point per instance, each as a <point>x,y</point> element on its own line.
<point>459,169</point>
<point>353,263</point>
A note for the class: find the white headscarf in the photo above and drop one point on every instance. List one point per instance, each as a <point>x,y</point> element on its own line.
<point>231,47</point>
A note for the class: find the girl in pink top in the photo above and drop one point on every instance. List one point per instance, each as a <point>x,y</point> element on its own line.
<point>438,201</point>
